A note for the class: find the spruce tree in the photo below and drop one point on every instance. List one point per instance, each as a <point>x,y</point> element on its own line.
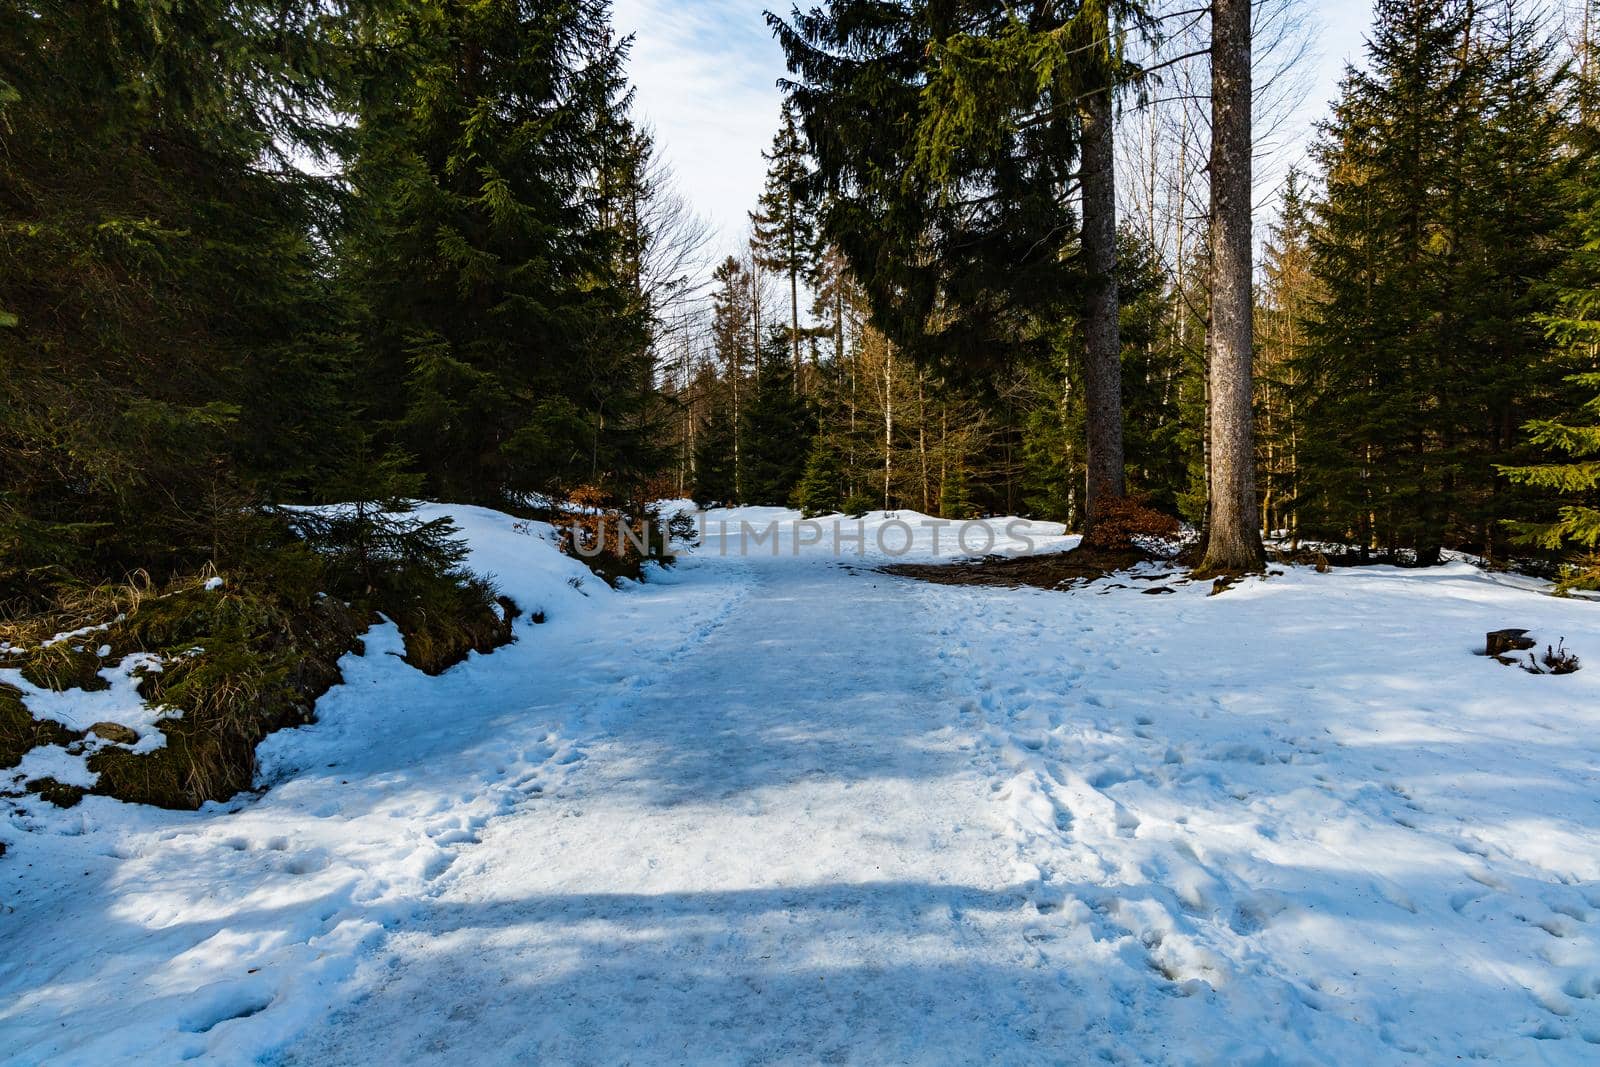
<point>960,284</point>
<point>165,350</point>
<point>821,489</point>
<point>1570,468</point>
<point>1369,361</point>
<point>713,483</point>
<point>777,431</point>
<point>1442,209</point>
<point>504,336</point>
<point>784,225</point>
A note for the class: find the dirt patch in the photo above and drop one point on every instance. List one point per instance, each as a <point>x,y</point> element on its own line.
<point>1056,570</point>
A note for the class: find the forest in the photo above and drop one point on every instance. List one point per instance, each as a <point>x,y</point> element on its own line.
<point>385,672</point>
<point>398,249</point>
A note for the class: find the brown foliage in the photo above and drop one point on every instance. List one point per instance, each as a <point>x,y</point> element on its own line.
<point>1123,521</point>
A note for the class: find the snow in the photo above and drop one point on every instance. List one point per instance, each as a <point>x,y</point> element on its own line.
<point>78,710</point>
<point>780,807</point>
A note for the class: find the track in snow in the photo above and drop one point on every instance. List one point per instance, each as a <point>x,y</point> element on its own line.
<point>780,851</point>
<point>779,810</point>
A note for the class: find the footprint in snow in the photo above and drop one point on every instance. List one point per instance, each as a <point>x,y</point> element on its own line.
<point>214,1005</point>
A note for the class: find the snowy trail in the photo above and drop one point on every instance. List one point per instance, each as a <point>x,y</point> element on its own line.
<point>786,809</point>
<point>780,852</point>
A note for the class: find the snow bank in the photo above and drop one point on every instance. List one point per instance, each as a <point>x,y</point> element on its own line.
<point>135,933</point>
<point>876,537</point>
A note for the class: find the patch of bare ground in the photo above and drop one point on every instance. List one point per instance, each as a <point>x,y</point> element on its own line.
<point>1056,570</point>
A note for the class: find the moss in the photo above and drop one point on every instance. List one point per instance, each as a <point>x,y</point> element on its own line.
<point>20,731</point>
<point>445,618</point>
<point>62,796</point>
<point>262,669</point>
<point>241,662</point>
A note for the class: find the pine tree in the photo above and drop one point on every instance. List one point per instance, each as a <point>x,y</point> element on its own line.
<point>714,458</point>
<point>785,225</point>
<point>955,497</point>
<point>165,353</point>
<point>821,489</point>
<point>1578,475</point>
<point>731,312</point>
<point>506,334</point>
<point>1442,208</point>
<point>777,431</point>
<point>962,285</point>
<point>1572,444</point>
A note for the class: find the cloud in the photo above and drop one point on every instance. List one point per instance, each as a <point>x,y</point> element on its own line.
<point>706,76</point>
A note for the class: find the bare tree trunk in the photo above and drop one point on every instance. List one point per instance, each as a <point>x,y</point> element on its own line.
<point>922,437</point>
<point>944,455</point>
<point>794,323</point>
<point>1102,333</point>
<point>888,420</point>
<point>738,489</point>
<point>1233,541</point>
<point>755,316</point>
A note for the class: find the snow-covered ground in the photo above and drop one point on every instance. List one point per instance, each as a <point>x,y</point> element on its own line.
<point>779,807</point>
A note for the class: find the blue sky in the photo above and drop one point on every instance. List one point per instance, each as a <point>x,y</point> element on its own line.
<point>706,73</point>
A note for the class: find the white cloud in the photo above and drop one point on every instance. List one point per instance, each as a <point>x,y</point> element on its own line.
<point>706,76</point>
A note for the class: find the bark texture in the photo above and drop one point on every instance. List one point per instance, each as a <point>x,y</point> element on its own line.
<point>1102,332</point>
<point>1233,541</point>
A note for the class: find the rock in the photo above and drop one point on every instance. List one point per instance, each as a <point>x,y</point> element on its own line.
<point>1499,642</point>
<point>116,733</point>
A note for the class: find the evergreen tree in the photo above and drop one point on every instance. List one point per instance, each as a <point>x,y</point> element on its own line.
<point>164,353</point>
<point>777,431</point>
<point>961,284</point>
<point>1571,444</point>
<point>785,226</point>
<point>505,334</point>
<point>1442,209</point>
<point>731,313</point>
<point>821,489</point>
<point>713,482</point>
<point>955,497</point>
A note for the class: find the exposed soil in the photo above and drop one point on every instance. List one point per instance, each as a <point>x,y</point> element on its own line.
<point>1057,570</point>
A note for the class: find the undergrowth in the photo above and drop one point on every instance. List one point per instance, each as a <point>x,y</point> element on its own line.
<point>239,659</point>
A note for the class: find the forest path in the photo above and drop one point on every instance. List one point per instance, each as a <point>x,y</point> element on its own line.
<point>782,808</point>
<point>781,850</point>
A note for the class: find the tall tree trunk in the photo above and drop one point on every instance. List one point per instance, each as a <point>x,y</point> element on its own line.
<point>1233,541</point>
<point>922,439</point>
<point>755,316</point>
<point>1102,333</point>
<point>738,467</point>
<point>888,420</point>
<point>794,322</point>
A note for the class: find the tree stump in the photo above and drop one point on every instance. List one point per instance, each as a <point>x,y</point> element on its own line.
<point>1500,642</point>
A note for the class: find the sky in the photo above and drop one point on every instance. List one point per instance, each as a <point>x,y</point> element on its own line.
<point>706,74</point>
